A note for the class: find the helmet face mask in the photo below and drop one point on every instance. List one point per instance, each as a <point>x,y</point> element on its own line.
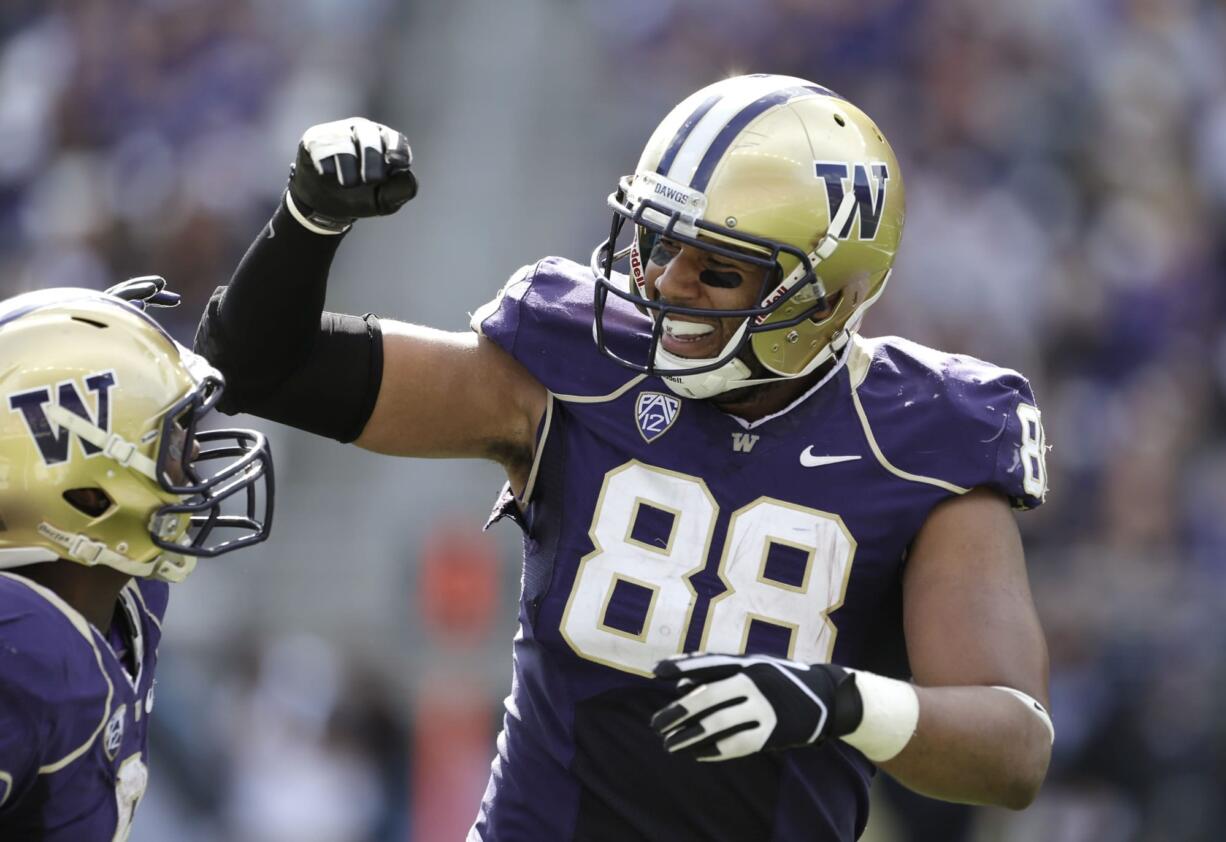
<point>184,451</point>
<point>101,457</point>
<point>775,172</point>
<point>754,251</point>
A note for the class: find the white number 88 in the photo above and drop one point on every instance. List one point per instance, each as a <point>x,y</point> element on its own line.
<point>819,544</point>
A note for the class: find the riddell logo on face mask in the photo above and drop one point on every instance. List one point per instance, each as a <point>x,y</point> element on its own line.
<point>779,292</point>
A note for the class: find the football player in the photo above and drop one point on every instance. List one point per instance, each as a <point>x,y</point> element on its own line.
<point>706,458</point>
<point>109,490</point>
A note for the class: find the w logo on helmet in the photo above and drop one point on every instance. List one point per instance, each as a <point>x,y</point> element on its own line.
<point>869,181</point>
<point>51,439</point>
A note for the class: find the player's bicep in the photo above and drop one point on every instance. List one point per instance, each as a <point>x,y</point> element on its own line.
<point>968,612</point>
<point>452,394</point>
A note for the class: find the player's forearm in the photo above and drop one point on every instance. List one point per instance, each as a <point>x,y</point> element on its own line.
<point>283,357</point>
<point>259,327</point>
<point>977,745</point>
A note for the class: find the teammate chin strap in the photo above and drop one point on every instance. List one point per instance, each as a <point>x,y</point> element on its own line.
<point>112,445</point>
<point>166,567</point>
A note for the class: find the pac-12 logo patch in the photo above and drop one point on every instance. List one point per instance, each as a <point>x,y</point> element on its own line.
<point>654,413</point>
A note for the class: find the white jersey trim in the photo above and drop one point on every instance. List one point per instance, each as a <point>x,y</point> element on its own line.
<point>526,495</point>
<point>614,395</point>
<point>884,462</point>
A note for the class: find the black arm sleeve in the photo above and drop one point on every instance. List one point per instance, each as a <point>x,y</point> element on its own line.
<point>283,357</point>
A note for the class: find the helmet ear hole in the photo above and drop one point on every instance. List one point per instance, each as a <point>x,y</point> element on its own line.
<point>93,502</point>
<point>832,304</point>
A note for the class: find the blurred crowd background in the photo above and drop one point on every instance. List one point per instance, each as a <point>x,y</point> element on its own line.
<point>1066,169</point>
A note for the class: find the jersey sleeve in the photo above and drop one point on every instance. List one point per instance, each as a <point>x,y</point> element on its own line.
<point>26,679</point>
<point>1020,470</point>
<point>20,739</point>
<point>955,421</point>
<point>543,317</point>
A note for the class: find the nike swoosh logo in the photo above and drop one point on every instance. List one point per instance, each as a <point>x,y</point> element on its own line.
<point>810,461</point>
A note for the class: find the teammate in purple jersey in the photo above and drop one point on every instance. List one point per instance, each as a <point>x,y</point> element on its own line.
<point>110,492</point>
<point>705,458</point>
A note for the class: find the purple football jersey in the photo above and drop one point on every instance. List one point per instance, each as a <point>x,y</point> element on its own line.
<point>655,525</point>
<point>73,721</point>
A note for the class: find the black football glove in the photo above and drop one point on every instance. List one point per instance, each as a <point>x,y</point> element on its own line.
<point>743,704</point>
<point>145,291</point>
<point>349,169</point>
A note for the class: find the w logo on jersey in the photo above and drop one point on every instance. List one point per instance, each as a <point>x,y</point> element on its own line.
<point>51,439</point>
<point>869,181</point>
<point>655,413</point>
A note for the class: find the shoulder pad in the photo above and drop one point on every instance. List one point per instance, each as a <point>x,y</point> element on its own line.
<point>951,418</point>
<point>543,316</point>
<point>155,596</point>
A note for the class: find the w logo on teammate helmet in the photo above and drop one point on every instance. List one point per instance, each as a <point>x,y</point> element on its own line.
<point>655,413</point>
<point>869,181</point>
<point>51,439</point>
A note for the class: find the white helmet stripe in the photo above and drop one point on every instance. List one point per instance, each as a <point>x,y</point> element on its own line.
<point>737,95</point>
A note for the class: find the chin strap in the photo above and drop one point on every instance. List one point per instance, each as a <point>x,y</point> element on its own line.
<point>112,445</point>
<point>166,567</point>
<point>734,374</point>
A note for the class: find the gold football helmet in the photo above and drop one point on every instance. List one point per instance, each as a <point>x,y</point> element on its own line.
<point>776,172</point>
<point>101,458</point>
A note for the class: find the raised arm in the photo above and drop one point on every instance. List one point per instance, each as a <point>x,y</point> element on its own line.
<point>389,386</point>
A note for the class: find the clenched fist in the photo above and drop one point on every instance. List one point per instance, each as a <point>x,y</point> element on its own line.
<point>346,170</point>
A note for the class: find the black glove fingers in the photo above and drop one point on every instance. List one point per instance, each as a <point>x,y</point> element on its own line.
<point>373,168</point>
<point>399,155</point>
<point>328,169</point>
<point>694,708</point>
<point>665,718</point>
<point>397,189</point>
<point>709,746</point>
<point>145,291</point>
<point>368,143</point>
<point>347,169</point>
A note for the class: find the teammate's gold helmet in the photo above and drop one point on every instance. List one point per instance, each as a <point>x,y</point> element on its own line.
<point>778,172</point>
<point>101,461</point>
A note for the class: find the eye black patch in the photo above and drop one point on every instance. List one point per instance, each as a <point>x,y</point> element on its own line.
<point>722,279</point>
<point>661,254</point>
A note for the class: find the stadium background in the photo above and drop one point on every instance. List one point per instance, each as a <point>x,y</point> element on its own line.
<point>1066,170</point>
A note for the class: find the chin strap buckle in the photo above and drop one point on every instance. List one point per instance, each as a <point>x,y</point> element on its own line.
<point>85,550</point>
<point>119,449</point>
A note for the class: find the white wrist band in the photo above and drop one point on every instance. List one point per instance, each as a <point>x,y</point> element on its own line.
<point>306,223</point>
<point>1033,706</point>
<point>891,713</point>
